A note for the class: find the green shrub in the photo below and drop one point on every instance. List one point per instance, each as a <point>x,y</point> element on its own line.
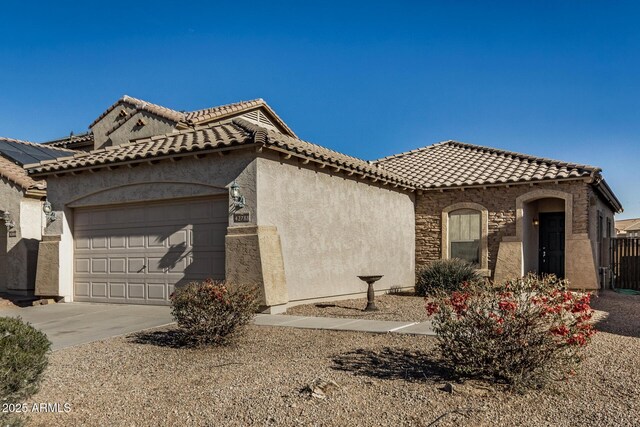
<point>445,275</point>
<point>524,332</point>
<point>23,359</point>
<point>211,313</point>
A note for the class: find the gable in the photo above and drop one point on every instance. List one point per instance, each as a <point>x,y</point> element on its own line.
<point>256,111</point>
<point>259,117</point>
<point>126,121</point>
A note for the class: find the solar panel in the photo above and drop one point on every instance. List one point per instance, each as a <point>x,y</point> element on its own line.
<point>24,154</point>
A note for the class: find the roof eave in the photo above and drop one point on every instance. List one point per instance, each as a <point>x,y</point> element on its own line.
<point>502,184</point>
<point>30,168</point>
<point>603,188</point>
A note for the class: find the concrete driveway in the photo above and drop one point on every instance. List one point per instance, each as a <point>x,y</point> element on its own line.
<point>77,323</point>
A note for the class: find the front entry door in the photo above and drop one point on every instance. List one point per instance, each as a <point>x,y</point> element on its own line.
<point>551,244</point>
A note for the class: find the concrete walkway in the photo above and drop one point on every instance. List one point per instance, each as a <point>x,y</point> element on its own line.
<point>345,324</point>
<point>73,324</point>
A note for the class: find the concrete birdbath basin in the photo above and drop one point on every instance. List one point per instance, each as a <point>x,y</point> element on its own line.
<point>371,306</point>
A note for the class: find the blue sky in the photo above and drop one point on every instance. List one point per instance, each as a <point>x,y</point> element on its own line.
<point>548,78</point>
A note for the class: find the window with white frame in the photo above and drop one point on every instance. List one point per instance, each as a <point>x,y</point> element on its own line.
<point>464,235</point>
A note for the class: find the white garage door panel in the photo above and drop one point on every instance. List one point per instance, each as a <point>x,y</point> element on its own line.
<point>137,254</point>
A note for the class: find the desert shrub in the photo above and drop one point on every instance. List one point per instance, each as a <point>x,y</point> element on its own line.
<point>23,359</point>
<point>445,275</point>
<point>213,312</point>
<point>524,332</point>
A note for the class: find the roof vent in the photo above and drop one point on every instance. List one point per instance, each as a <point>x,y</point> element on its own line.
<point>253,116</point>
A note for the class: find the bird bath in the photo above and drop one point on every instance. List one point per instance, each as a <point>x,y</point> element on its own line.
<point>371,306</point>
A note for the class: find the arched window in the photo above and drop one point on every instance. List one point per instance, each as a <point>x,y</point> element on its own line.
<point>465,232</point>
<point>464,235</point>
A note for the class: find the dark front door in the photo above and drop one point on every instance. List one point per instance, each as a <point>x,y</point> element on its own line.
<point>551,244</point>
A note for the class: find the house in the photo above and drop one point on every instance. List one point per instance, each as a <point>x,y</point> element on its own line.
<point>628,227</point>
<point>21,216</point>
<point>507,212</point>
<point>166,197</point>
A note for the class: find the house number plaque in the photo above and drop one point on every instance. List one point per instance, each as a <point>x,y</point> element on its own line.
<point>241,217</point>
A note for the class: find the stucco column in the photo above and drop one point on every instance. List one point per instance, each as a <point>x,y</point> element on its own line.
<point>54,276</point>
<point>580,266</point>
<point>48,271</point>
<point>253,255</point>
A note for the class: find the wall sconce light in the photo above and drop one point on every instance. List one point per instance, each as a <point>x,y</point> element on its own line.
<point>8,221</point>
<point>536,221</point>
<point>48,212</point>
<point>236,197</point>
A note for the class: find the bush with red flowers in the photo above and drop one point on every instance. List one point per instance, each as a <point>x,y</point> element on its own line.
<point>210,312</point>
<point>523,332</point>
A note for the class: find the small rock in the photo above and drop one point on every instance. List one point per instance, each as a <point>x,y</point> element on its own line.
<point>448,388</point>
<point>475,390</point>
<point>319,388</point>
<point>44,301</point>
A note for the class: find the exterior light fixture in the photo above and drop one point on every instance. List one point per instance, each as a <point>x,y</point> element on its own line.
<point>48,211</point>
<point>8,221</point>
<point>536,221</point>
<point>236,197</point>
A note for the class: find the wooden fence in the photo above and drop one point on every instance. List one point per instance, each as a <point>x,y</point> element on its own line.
<point>624,257</point>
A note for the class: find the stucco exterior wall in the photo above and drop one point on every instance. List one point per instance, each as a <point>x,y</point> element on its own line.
<point>127,127</point>
<point>333,228</point>
<point>129,130</point>
<point>22,248</point>
<point>600,247</point>
<point>501,204</point>
<point>189,177</point>
<point>108,122</point>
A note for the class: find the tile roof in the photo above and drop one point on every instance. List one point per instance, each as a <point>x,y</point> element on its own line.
<point>208,114</point>
<point>325,155</point>
<point>198,117</point>
<point>456,164</point>
<point>628,224</point>
<point>16,174</point>
<point>159,110</point>
<point>238,132</point>
<point>72,140</point>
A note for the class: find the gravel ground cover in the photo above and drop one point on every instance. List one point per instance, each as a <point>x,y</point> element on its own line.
<point>382,380</point>
<point>403,306</point>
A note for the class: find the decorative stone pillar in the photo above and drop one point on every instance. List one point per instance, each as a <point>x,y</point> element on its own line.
<point>253,255</point>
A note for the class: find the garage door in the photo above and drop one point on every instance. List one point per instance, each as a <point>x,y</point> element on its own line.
<point>138,253</point>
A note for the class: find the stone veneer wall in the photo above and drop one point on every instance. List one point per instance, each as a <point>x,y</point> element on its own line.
<point>501,204</point>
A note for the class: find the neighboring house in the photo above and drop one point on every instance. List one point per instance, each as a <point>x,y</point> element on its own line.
<point>21,216</point>
<point>628,227</point>
<point>157,203</point>
<point>82,142</point>
<point>508,213</point>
